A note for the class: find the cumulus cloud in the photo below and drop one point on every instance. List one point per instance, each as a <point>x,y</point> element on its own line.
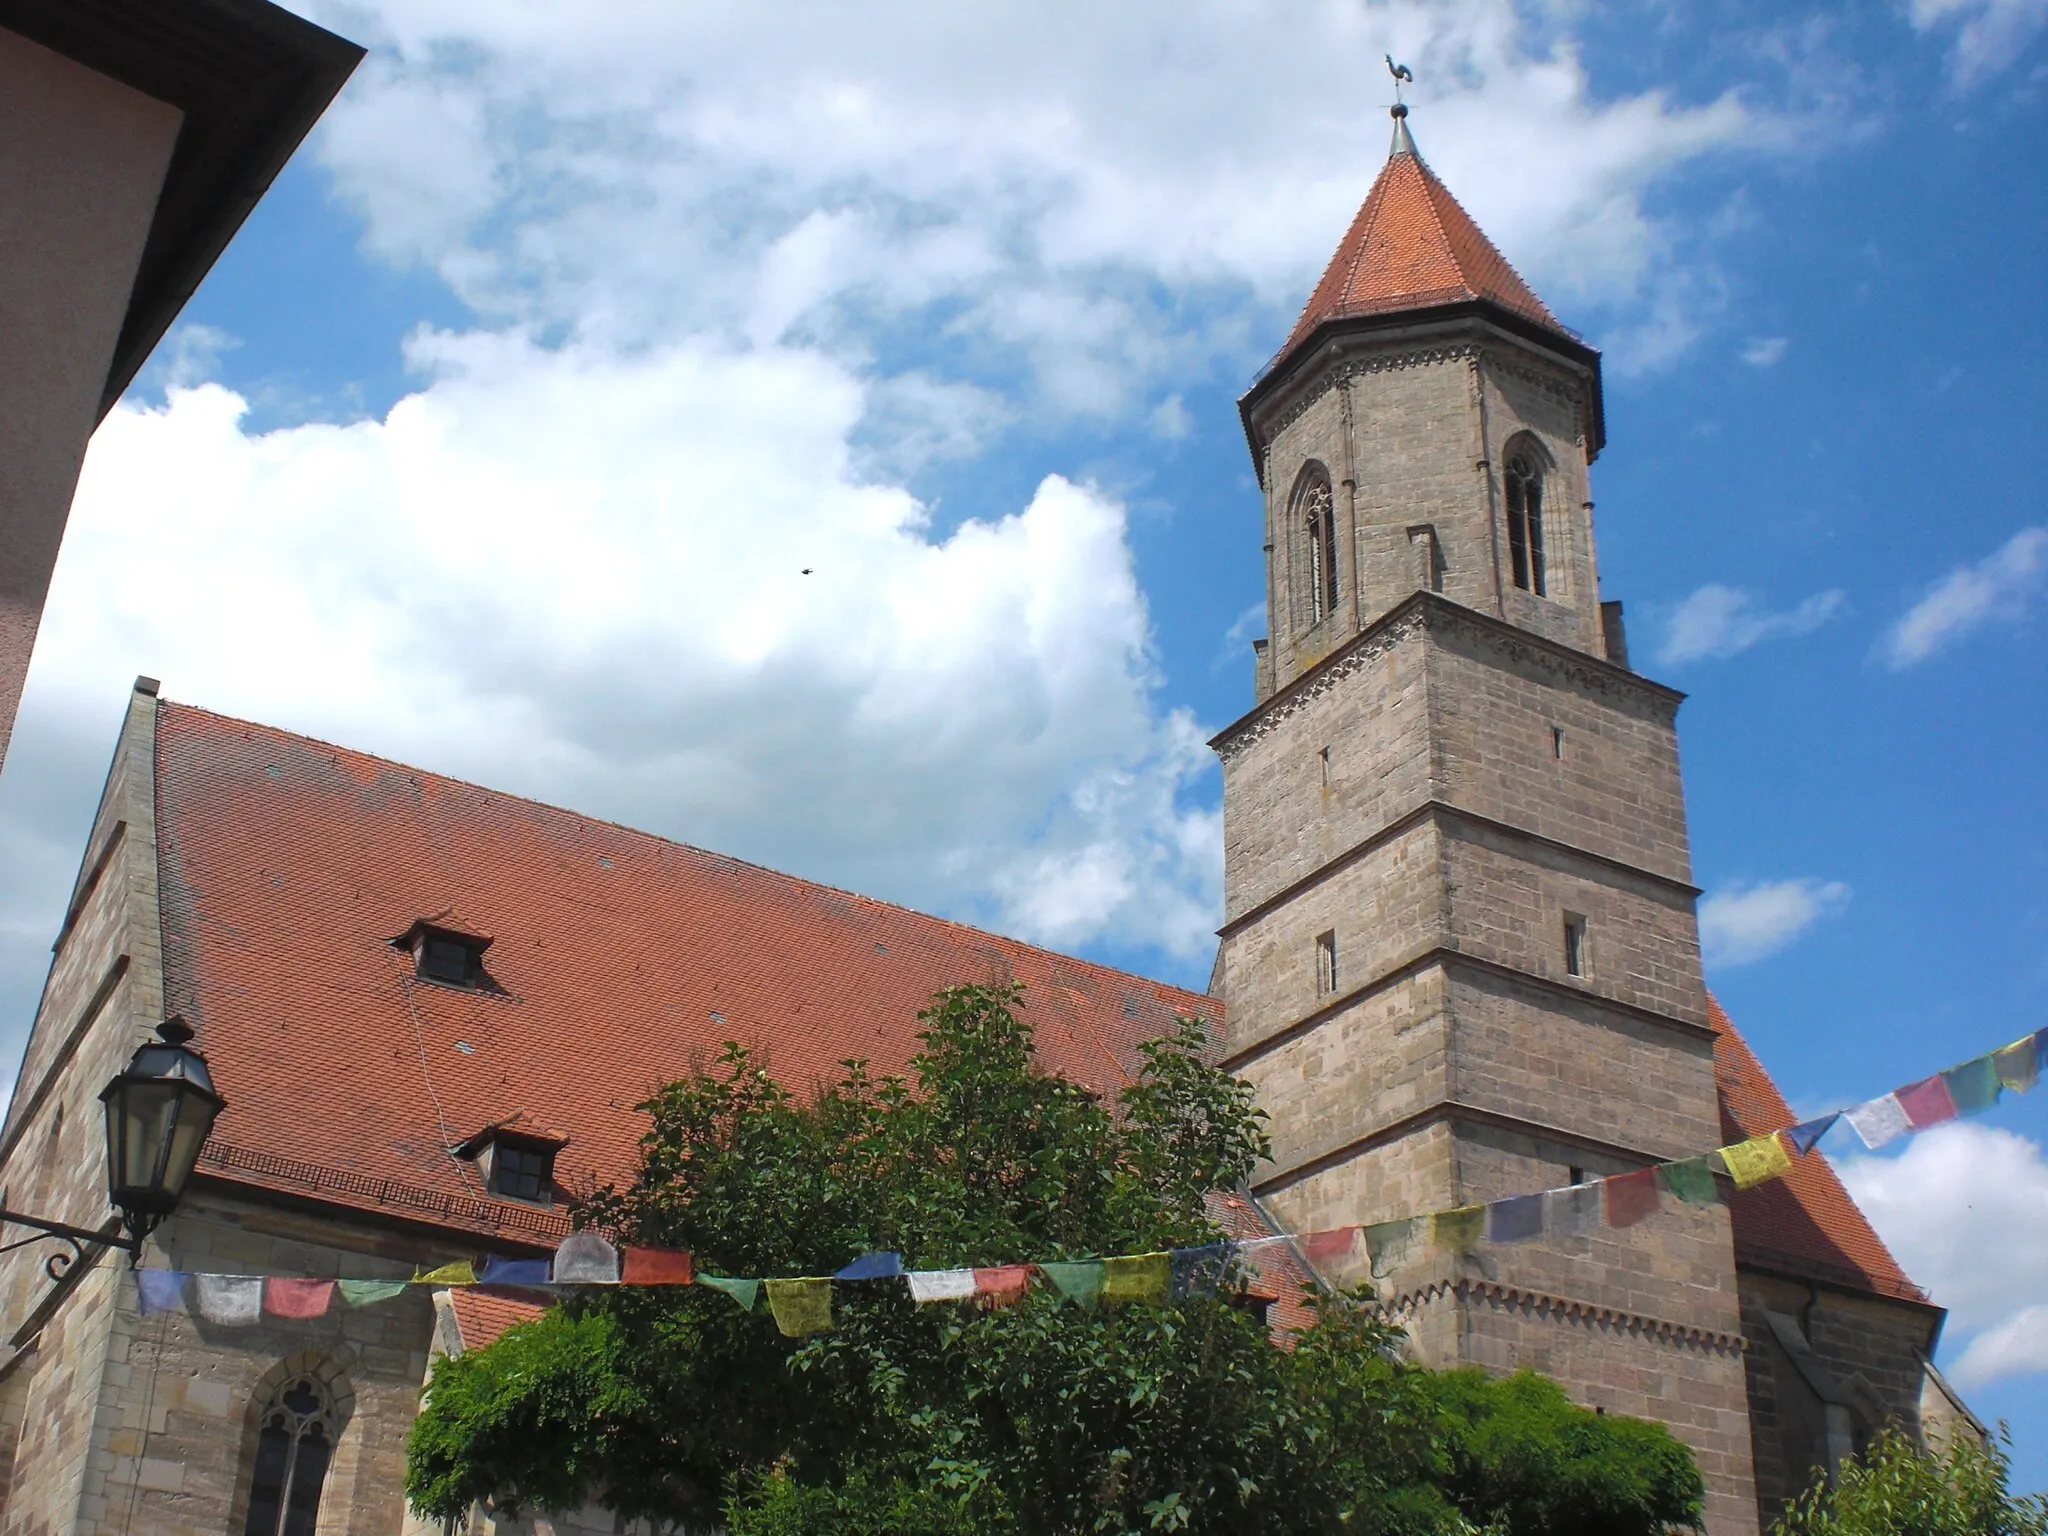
<point>1749,921</point>
<point>1006,172</point>
<point>1764,351</point>
<point>1989,34</point>
<point>1965,1209</point>
<point>1719,621</point>
<point>2000,586</point>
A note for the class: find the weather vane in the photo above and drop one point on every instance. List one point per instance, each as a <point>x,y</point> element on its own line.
<point>1400,72</point>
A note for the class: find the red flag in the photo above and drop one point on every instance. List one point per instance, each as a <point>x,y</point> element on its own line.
<point>297,1298</point>
<point>656,1266</point>
<point>1927,1102</point>
<point>1631,1197</point>
<point>1001,1286</point>
<point>1327,1247</point>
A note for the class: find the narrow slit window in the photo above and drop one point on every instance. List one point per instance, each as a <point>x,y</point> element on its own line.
<point>1525,523</point>
<point>1324,758</point>
<point>1574,944</point>
<point>1576,1174</point>
<point>1557,742</point>
<point>1326,963</point>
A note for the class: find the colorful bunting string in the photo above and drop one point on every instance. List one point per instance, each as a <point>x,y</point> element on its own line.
<point>804,1306</point>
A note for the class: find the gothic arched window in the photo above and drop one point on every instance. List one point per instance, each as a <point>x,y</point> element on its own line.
<point>1525,520</point>
<point>1315,516</point>
<point>294,1443</point>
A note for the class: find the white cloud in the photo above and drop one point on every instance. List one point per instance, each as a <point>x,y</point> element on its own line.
<point>1990,34</point>
<point>579,577</point>
<point>1749,921</point>
<point>1718,621</point>
<point>1764,351</point>
<point>1999,586</point>
<point>833,170</point>
<point>1965,1209</point>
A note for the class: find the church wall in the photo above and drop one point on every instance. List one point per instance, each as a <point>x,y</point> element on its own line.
<point>182,1395</point>
<point>1406,1173</point>
<point>1869,1353</point>
<point>1616,790</point>
<point>53,1391</point>
<point>1285,821</point>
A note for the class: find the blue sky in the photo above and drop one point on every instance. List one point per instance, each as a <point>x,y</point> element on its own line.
<point>499,438</point>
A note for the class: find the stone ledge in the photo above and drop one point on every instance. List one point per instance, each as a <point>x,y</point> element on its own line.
<point>1564,1309</point>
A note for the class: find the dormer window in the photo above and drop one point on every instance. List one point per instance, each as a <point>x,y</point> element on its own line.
<point>516,1158</point>
<point>445,952</point>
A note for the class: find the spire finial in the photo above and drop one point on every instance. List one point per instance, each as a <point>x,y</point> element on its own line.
<point>1403,144</point>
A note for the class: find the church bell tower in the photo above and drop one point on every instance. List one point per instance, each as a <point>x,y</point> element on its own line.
<point>1459,954</point>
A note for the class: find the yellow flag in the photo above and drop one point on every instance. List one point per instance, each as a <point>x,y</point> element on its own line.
<point>1137,1277</point>
<point>1458,1231</point>
<point>460,1273</point>
<point>1757,1160</point>
<point>800,1306</point>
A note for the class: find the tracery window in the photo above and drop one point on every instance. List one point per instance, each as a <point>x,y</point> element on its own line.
<point>1525,521</point>
<point>1315,515</point>
<point>293,1446</point>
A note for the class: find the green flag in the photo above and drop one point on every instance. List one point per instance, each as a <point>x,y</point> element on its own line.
<point>362,1293</point>
<point>742,1291</point>
<point>1458,1231</point>
<point>1389,1242</point>
<point>1080,1282</point>
<point>1692,1180</point>
<point>1974,1085</point>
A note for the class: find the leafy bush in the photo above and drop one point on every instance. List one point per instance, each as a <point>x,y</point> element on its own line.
<point>1896,1488</point>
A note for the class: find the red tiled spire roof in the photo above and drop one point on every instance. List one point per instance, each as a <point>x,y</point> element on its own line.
<point>1804,1223</point>
<point>1412,247</point>
<point>620,960</point>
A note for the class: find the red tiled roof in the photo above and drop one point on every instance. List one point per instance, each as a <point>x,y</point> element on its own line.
<point>1804,1223</point>
<point>482,1314</point>
<point>1411,247</point>
<point>619,961</point>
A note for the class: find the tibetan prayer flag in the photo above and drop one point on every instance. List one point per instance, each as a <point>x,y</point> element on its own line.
<point>297,1298</point>
<point>163,1290</point>
<point>586,1259</point>
<point>1390,1243</point>
<point>1806,1135</point>
<point>2019,1064</point>
<point>1137,1277</point>
<point>800,1307</point>
<point>1973,1086</point>
<point>364,1293</point>
<point>656,1266</point>
<point>1757,1160</point>
<point>1630,1197</point>
<point>1574,1210</point>
<point>1194,1273</point>
<point>1879,1121</point>
<point>1926,1103</point>
<point>461,1272</point>
<point>232,1299</point>
<point>497,1271</point>
<point>873,1266</point>
<point>1330,1247</point>
<point>1079,1281</point>
<point>745,1292</point>
<point>1516,1220</point>
<point>1458,1231</point>
<point>1001,1285</point>
<point>1691,1180</point>
<point>940,1285</point>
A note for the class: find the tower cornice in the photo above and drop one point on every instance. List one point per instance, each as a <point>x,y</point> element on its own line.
<point>1434,611</point>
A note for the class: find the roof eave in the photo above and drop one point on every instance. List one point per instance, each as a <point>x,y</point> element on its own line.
<point>251,79</point>
<point>1556,338</point>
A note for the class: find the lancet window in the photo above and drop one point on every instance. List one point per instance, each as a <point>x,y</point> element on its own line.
<point>1525,520</point>
<point>293,1446</point>
<point>1315,516</point>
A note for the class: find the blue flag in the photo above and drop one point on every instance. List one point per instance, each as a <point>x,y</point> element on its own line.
<point>1807,1134</point>
<point>885,1265</point>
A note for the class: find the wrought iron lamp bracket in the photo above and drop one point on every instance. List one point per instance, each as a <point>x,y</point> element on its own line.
<point>58,1264</point>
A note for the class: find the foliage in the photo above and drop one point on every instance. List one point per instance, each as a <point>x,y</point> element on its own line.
<point>1895,1488</point>
<point>1036,1419</point>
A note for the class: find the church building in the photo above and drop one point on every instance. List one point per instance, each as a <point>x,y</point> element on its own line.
<point>1459,961</point>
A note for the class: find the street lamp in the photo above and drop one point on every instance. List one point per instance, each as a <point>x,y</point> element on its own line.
<point>159,1112</point>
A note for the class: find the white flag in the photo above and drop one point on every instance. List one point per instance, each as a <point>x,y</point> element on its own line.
<point>1879,1121</point>
<point>940,1285</point>
<point>236,1299</point>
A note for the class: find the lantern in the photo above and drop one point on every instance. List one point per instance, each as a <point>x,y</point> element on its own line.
<point>159,1112</point>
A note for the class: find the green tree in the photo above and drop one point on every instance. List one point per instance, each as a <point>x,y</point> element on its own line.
<point>1897,1488</point>
<point>1037,1419</point>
